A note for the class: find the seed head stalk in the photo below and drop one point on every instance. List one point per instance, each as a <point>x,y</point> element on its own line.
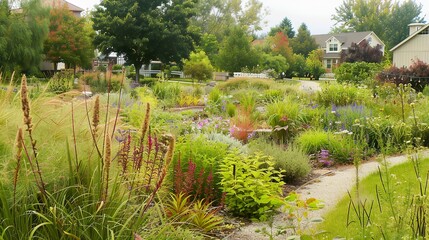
<point>28,122</point>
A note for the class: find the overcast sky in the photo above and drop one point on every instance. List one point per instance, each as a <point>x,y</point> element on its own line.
<point>315,13</point>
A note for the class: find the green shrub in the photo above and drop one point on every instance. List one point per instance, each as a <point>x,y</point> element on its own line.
<point>292,160</point>
<point>285,118</point>
<point>61,82</point>
<point>147,81</point>
<point>343,117</point>
<point>417,75</point>
<point>342,95</point>
<point>169,93</point>
<point>384,133</point>
<point>206,156</point>
<point>313,141</point>
<point>198,66</point>
<point>272,95</point>
<point>231,109</point>
<point>242,83</point>
<point>251,185</point>
<point>357,72</point>
<point>426,91</point>
<point>341,148</point>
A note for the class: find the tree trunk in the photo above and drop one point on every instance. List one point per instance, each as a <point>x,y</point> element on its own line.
<point>138,66</point>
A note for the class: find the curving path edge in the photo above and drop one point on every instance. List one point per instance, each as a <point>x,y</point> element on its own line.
<point>329,188</point>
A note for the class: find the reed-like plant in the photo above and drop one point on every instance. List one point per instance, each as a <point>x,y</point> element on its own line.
<point>93,199</point>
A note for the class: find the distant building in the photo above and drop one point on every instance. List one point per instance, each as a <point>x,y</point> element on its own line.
<point>334,44</point>
<point>415,46</point>
<point>59,3</point>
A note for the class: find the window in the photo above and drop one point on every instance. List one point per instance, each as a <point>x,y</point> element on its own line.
<point>328,63</point>
<point>424,31</point>
<point>333,47</point>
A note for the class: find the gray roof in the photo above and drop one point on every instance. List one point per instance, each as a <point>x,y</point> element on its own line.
<point>409,37</point>
<point>346,38</point>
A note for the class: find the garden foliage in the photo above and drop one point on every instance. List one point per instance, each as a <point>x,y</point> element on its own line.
<point>251,184</point>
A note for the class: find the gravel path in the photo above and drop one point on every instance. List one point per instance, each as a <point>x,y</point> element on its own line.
<point>310,86</point>
<point>329,188</point>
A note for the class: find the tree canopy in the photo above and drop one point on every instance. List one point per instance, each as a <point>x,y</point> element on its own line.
<point>285,26</point>
<point>236,52</point>
<point>218,16</point>
<point>388,19</point>
<point>22,35</point>
<point>303,43</point>
<point>314,64</point>
<point>198,66</point>
<point>362,52</point>
<point>70,39</point>
<point>145,30</point>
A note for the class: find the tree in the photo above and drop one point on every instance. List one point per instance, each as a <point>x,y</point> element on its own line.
<point>235,51</point>
<point>285,26</point>
<point>314,64</point>
<point>277,63</point>
<point>70,39</point>
<point>218,16</point>
<point>209,45</point>
<point>362,52</point>
<point>198,66</point>
<point>303,43</point>
<point>298,67</point>
<point>22,35</point>
<point>280,45</point>
<point>388,19</point>
<point>145,30</point>
<point>408,12</point>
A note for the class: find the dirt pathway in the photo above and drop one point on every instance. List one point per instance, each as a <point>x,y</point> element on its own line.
<point>329,188</point>
<point>310,86</point>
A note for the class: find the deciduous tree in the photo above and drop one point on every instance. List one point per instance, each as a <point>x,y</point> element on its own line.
<point>362,52</point>
<point>22,34</point>
<point>198,66</point>
<point>145,30</point>
<point>314,64</point>
<point>217,16</point>
<point>388,19</point>
<point>279,44</point>
<point>236,52</point>
<point>70,39</point>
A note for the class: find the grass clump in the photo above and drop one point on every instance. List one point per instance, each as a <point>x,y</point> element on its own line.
<point>292,161</point>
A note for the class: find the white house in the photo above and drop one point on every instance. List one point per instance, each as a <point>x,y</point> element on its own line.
<point>415,46</point>
<point>334,44</point>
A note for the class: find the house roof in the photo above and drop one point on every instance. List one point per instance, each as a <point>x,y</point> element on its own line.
<point>70,6</point>
<point>345,38</point>
<point>410,37</point>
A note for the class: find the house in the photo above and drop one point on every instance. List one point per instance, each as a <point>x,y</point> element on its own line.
<point>415,46</point>
<point>334,44</point>
<point>77,11</point>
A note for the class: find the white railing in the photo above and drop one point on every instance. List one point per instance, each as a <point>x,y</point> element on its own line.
<point>148,73</point>
<point>250,75</point>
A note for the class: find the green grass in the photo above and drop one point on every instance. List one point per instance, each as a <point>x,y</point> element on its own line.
<point>404,184</point>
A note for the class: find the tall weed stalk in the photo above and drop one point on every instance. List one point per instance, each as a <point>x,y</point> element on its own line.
<point>93,201</point>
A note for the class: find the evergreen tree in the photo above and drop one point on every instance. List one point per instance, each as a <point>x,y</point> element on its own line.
<point>303,43</point>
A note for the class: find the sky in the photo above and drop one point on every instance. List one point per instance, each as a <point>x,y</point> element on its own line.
<point>316,14</point>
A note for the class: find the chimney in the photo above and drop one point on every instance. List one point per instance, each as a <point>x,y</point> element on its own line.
<point>414,27</point>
